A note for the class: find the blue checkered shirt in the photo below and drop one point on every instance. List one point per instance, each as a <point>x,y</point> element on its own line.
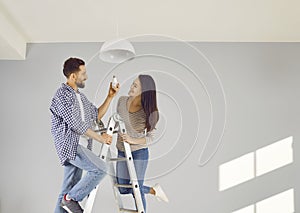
<point>67,124</point>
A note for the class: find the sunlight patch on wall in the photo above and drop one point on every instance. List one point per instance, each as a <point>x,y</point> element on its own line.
<point>283,202</point>
<point>236,171</point>
<point>248,209</point>
<point>274,156</point>
<point>279,203</point>
<point>256,163</point>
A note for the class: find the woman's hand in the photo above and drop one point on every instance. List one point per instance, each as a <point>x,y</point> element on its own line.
<point>127,138</point>
<point>131,140</point>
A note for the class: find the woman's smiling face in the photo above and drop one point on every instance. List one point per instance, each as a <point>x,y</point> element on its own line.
<point>135,88</point>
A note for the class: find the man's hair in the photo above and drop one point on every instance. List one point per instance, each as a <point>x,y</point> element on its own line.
<point>71,65</point>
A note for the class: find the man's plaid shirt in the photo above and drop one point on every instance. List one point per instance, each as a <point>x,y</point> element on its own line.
<point>67,125</point>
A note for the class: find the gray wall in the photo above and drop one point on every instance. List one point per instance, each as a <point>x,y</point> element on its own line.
<point>260,82</point>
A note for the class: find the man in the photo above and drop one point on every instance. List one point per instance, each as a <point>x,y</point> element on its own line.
<point>72,115</point>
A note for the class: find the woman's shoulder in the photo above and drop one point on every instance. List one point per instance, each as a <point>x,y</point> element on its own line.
<point>122,101</point>
<point>123,98</point>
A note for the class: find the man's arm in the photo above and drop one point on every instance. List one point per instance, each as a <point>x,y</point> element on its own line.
<point>103,108</point>
<point>104,138</point>
<point>111,93</point>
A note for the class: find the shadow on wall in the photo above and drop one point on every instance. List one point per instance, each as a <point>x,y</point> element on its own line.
<point>269,167</point>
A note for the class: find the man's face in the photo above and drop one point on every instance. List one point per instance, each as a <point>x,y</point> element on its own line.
<point>81,77</point>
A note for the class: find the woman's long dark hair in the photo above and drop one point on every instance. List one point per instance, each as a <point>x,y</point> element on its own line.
<point>149,102</point>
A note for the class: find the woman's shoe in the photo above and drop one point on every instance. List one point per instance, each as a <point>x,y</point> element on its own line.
<point>159,193</point>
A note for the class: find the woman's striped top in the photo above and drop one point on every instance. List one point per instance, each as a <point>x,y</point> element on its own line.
<point>134,124</point>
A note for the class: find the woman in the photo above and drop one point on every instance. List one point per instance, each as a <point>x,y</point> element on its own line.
<point>140,115</point>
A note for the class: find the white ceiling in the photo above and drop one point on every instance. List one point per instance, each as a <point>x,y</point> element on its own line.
<point>35,21</point>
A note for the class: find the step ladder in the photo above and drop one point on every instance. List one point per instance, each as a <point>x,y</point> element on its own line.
<point>115,125</point>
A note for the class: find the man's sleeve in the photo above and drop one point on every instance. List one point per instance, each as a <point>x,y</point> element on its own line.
<point>94,111</point>
<point>67,111</point>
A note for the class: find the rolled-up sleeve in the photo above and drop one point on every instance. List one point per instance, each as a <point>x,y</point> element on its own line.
<point>150,136</point>
<point>67,111</point>
<point>90,107</point>
<point>94,112</point>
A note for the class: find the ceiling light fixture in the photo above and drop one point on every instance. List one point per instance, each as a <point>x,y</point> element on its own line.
<point>116,50</point>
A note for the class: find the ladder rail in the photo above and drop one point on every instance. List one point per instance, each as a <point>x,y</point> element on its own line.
<point>132,173</point>
<point>113,180</point>
<point>105,155</point>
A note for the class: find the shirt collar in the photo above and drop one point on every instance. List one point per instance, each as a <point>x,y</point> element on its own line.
<point>64,85</point>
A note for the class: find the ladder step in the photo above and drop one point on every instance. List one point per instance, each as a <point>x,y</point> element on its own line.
<point>128,210</point>
<point>101,130</point>
<point>104,131</point>
<point>123,185</point>
<point>118,159</point>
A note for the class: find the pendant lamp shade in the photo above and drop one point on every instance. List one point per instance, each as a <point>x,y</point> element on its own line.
<point>116,51</point>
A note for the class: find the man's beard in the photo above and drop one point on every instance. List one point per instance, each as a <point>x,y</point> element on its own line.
<point>80,84</point>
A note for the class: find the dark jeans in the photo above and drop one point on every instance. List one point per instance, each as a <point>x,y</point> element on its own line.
<point>140,159</point>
